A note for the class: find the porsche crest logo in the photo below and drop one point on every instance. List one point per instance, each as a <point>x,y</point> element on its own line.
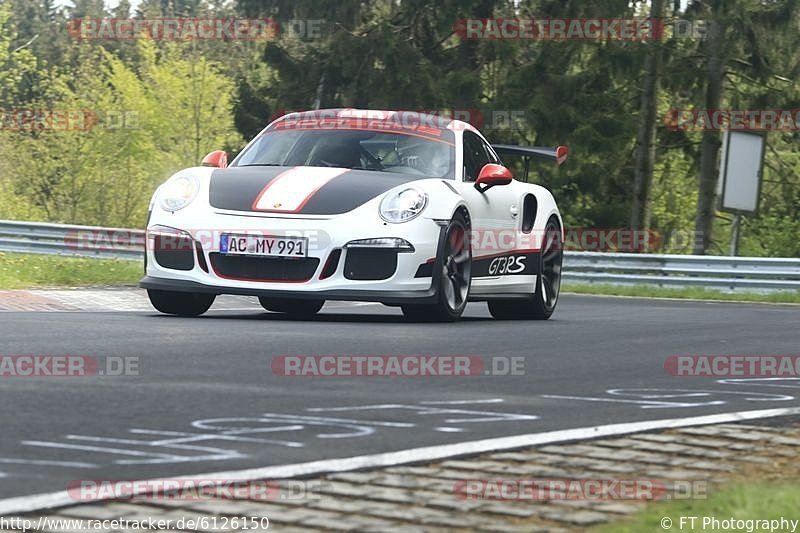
<point>276,205</point>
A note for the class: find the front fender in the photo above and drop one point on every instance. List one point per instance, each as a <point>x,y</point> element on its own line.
<point>443,200</point>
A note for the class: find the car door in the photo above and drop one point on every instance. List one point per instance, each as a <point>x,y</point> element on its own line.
<point>494,212</point>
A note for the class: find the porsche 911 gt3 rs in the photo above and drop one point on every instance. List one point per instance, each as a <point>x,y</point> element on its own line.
<point>406,209</point>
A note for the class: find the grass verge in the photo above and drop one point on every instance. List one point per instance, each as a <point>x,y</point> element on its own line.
<point>20,271</point>
<point>751,500</point>
<point>686,293</point>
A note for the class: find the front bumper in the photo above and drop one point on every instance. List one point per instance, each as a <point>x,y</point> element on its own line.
<point>384,296</point>
<point>409,282</point>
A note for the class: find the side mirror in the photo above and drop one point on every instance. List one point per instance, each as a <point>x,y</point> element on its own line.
<point>491,175</point>
<point>217,158</point>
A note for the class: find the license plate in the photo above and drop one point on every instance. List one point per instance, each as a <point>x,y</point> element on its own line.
<point>263,246</point>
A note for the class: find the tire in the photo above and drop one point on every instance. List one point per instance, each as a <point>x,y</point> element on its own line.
<point>541,304</point>
<point>454,278</point>
<point>180,303</point>
<point>291,307</point>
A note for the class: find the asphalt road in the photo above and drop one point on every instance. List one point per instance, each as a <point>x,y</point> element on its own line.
<point>206,398</point>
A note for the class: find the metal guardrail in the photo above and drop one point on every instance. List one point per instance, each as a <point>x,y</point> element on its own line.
<point>668,270</point>
<point>714,272</point>
<point>63,239</point>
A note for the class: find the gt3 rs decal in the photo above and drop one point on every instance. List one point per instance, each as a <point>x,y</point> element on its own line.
<point>301,190</point>
<point>516,263</point>
<point>291,190</point>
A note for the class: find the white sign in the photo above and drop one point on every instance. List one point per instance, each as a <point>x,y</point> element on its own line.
<point>740,170</point>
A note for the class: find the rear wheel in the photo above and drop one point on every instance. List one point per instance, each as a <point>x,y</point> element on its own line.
<point>180,303</point>
<point>541,304</point>
<point>291,307</point>
<point>454,277</point>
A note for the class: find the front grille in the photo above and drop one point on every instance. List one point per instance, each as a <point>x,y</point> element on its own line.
<point>370,263</point>
<point>251,268</point>
<point>174,252</point>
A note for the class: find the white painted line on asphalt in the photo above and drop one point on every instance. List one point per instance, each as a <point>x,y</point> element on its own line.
<point>37,502</point>
<point>75,464</point>
<point>462,402</point>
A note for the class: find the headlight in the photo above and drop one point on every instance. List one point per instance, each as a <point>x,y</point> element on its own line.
<point>403,206</point>
<point>177,193</point>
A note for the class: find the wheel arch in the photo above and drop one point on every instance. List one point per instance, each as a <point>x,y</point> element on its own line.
<point>462,208</point>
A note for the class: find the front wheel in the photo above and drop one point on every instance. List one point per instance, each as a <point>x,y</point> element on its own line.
<point>541,304</point>
<point>291,307</point>
<point>180,303</point>
<point>454,278</point>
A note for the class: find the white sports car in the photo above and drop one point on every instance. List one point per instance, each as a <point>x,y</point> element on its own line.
<point>406,209</point>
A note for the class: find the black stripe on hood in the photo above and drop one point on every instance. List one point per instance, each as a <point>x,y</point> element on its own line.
<point>352,189</point>
<point>236,188</point>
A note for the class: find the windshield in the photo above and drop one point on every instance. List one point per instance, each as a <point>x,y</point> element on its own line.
<point>379,151</point>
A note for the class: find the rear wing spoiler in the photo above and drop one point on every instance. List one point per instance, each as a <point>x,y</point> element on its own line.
<point>558,155</point>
